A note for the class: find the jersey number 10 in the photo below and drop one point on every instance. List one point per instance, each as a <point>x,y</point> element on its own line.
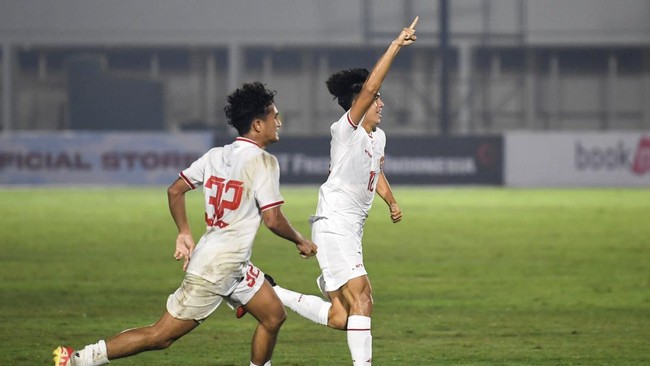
<point>371,181</point>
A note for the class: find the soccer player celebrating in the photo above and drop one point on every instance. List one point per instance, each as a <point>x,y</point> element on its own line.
<point>241,187</point>
<point>344,200</point>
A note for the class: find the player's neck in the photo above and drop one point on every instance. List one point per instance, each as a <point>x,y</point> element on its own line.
<point>256,139</point>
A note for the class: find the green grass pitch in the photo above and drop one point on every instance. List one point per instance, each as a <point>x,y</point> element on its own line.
<point>472,276</point>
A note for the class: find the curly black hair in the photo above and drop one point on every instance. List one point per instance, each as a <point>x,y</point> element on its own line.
<point>346,84</point>
<point>246,104</point>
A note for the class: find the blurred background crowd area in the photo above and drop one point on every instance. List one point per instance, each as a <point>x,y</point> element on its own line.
<point>479,66</point>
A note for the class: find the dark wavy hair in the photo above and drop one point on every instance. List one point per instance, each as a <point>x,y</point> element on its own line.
<point>246,104</point>
<point>345,85</point>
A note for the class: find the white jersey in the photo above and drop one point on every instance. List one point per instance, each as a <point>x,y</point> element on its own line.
<point>356,159</point>
<point>240,180</point>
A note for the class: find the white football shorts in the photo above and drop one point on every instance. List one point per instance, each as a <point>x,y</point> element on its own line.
<point>197,298</point>
<point>339,251</point>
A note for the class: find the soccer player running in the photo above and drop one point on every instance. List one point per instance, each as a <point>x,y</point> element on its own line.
<point>344,200</point>
<point>241,188</point>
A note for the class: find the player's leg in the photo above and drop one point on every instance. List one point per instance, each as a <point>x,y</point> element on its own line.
<point>267,308</point>
<point>240,310</point>
<point>192,302</point>
<point>344,271</point>
<point>159,335</point>
<point>311,307</point>
<point>337,309</point>
<point>358,294</point>
<point>350,309</point>
<point>337,317</point>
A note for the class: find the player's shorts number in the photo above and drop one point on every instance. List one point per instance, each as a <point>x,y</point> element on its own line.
<point>252,275</point>
<point>218,201</point>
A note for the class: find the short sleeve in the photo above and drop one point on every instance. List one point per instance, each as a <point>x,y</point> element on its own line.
<point>267,183</point>
<point>343,130</point>
<point>194,174</point>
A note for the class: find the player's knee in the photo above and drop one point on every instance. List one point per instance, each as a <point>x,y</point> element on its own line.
<point>158,340</point>
<point>338,320</point>
<point>275,321</point>
<point>163,344</point>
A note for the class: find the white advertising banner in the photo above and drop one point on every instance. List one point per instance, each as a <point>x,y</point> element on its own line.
<point>98,158</point>
<point>577,159</point>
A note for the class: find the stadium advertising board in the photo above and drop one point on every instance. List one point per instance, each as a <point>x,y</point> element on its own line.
<point>98,158</point>
<point>108,158</point>
<point>580,159</point>
<point>409,160</point>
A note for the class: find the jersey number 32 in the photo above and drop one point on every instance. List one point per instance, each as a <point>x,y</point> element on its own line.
<point>217,201</point>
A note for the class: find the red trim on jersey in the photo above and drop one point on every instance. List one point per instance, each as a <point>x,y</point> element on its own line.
<point>350,121</point>
<point>247,140</point>
<point>187,181</point>
<point>271,205</point>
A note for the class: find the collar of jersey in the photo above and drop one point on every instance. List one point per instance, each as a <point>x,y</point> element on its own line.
<point>244,139</point>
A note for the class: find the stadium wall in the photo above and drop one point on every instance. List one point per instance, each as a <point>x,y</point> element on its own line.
<point>515,64</point>
<point>117,158</point>
<point>517,159</point>
<point>576,22</point>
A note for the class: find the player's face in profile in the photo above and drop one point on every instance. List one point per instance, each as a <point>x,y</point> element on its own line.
<point>272,124</point>
<point>373,115</point>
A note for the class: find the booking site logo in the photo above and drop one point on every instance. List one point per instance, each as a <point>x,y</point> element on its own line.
<point>620,156</point>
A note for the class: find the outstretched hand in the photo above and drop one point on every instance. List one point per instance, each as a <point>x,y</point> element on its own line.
<point>184,248</point>
<point>407,36</point>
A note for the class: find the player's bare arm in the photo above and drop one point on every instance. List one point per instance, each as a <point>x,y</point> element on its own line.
<point>275,220</point>
<point>372,85</point>
<point>184,241</point>
<point>386,193</point>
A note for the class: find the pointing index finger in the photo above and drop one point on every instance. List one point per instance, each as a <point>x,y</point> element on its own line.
<point>415,21</point>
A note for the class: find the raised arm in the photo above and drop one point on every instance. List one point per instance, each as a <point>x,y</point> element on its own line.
<point>379,71</point>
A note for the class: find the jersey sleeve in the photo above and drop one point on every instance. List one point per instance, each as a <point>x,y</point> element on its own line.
<point>267,183</point>
<point>194,174</point>
<point>344,129</point>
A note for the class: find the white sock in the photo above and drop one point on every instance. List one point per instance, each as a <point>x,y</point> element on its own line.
<point>91,355</point>
<point>360,340</point>
<point>267,363</point>
<point>311,307</point>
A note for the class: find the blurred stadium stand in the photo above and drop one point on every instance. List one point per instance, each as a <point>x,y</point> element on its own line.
<point>98,100</point>
<point>516,64</point>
